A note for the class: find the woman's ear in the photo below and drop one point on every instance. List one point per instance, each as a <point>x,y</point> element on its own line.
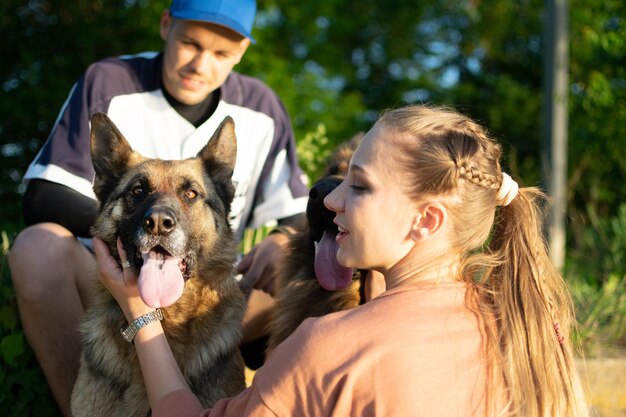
<point>429,220</point>
<point>416,232</point>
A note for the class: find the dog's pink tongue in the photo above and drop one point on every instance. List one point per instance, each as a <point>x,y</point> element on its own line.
<point>329,273</point>
<point>160,281</point>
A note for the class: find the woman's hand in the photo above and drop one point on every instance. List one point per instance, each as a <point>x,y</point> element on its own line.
<point>161,373</point>
<point>121,282</point>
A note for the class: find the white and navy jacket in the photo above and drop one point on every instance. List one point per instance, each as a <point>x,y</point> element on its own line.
<point>269,182</point>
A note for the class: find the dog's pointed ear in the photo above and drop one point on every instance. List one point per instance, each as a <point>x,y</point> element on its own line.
<point>110,154</point>
<point>220,154</point>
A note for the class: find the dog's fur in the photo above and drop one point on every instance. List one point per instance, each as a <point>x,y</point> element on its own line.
<point>178,208</point>
<point>300,295</point>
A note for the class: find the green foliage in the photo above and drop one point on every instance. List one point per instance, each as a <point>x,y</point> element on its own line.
<point>597,153</point>
<point>604,241</point>
<point>597,277</point>
<point>601,313</point>
<point>313,151</point>
<point>46,45</point>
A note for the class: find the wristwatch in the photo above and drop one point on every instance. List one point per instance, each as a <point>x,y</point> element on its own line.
<point>139,323</point>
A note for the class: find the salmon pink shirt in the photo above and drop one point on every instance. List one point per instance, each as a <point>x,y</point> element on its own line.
<point>411,351</point>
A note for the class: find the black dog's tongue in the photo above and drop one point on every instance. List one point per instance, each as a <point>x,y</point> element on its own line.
<point>329,273</point>
<point>160,281</point>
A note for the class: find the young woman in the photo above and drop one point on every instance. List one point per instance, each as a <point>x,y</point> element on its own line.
<point>474,322</point>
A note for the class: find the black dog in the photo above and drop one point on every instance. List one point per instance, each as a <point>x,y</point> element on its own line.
<point>312,283</point>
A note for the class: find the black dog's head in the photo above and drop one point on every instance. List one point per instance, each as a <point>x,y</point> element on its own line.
<point>322,230</point>
<point>319,217</point>
<point>167,214</point>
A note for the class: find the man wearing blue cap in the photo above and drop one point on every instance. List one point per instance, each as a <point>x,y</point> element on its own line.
<point>166,104</point>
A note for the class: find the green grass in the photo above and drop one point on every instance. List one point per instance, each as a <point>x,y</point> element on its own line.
<point>601,315</point>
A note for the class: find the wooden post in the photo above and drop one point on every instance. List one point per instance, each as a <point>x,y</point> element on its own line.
<point>554,154</point>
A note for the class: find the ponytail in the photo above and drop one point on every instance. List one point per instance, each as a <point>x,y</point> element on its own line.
<point>528,299</point>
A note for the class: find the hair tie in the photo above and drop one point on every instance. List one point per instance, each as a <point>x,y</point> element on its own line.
<point>557,330</point>
<point>507,192</point>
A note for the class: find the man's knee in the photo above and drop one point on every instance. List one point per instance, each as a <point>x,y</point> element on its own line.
<point>38,258</point>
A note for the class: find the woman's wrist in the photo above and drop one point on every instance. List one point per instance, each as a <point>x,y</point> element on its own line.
<point>134,307</point>
<point>149,332</point>
<point>134,327</point>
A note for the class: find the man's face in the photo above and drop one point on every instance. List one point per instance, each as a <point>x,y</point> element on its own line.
<point>198,57</point>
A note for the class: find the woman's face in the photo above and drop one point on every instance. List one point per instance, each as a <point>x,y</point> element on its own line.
<point>374,213</point>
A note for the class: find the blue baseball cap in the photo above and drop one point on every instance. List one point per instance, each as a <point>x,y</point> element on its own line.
<point>237,15</point>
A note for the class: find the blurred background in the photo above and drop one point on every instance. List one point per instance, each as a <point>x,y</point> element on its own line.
<point>336,64</point>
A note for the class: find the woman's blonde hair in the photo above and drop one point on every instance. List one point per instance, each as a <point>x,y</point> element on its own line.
<point>523,300</point>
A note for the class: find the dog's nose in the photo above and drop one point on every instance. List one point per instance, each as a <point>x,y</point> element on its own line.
<point>322,188</point>
<point>159,221</point>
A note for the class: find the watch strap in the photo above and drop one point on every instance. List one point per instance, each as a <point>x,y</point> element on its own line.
<point>139,323</point>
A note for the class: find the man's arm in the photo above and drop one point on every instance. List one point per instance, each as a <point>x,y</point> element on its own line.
<point>291,220</point>
<point>46,201</point>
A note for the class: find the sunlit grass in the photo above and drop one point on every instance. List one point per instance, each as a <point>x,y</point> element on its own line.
<point>601,315</point>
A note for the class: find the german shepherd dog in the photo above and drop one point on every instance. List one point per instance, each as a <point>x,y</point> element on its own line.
<point>312,283</point>
<point>172,220</point>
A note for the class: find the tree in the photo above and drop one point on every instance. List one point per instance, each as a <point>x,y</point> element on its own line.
<point>597,175</point>
<point>46,46</point>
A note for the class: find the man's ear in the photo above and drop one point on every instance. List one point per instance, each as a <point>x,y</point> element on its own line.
<point>243,47</point>
<point>430,218</point>
<point>166,23</point>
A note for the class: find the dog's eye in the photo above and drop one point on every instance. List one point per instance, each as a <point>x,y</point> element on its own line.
<point>137,190</point>
<point>191,194</point>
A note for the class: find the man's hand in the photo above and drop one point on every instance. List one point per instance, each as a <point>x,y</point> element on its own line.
<point>261,265</point>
